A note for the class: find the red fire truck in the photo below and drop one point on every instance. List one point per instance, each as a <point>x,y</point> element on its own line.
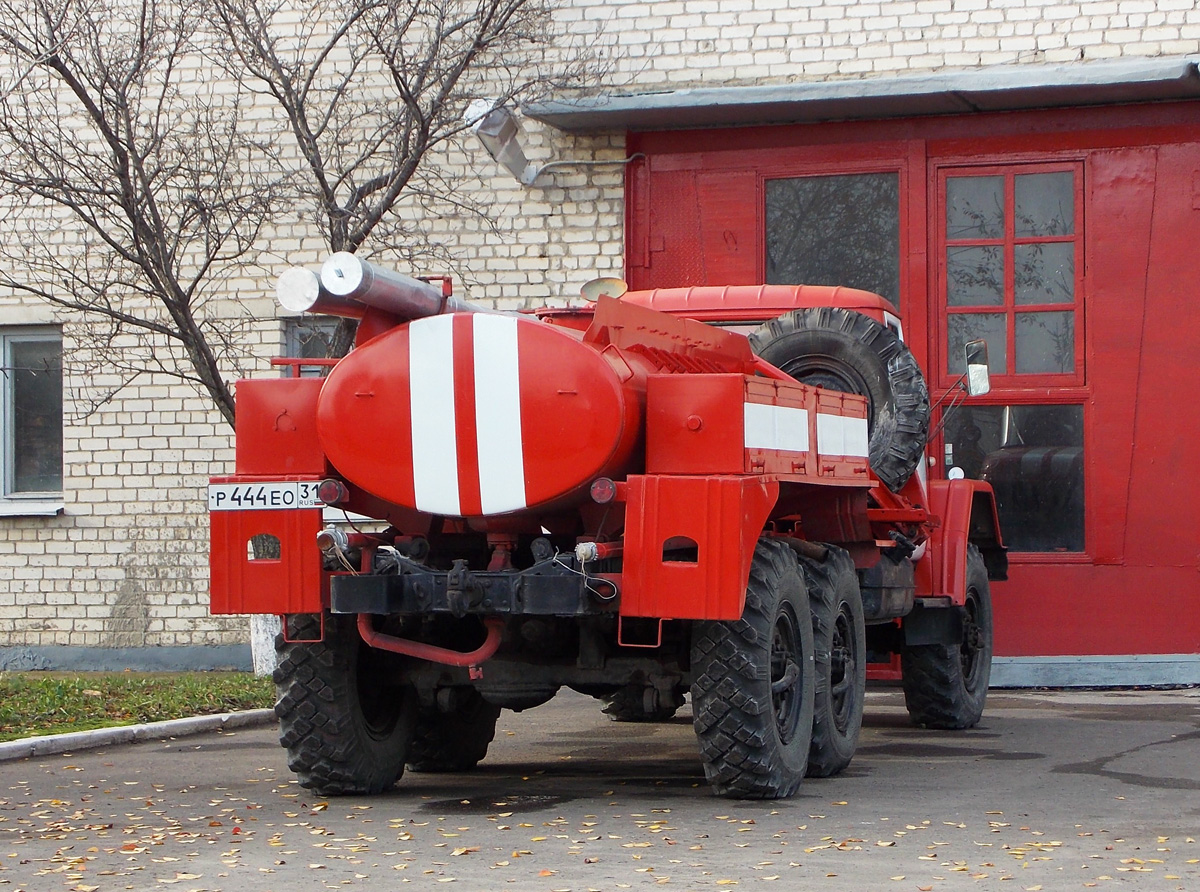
<point>720,491</point>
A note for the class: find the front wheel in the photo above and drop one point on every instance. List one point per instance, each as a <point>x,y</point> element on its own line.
<point>753,683</point>
<point>456,739</point>
<point>945,685</point>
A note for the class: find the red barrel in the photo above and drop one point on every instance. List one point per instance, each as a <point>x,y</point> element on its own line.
<point>473,415</point>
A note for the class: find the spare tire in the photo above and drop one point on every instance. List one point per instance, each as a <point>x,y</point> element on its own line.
<point>843,350</point>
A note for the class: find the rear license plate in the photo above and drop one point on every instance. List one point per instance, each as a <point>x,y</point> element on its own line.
<point>263,496</point>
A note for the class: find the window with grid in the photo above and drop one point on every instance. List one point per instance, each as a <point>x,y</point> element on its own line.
<point>1010,270</point>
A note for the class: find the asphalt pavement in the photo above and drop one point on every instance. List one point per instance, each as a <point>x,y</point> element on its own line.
<point>1053,791</point>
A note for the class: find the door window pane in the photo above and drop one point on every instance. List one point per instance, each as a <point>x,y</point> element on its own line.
<point>1044,273</point>
<point>35,381</point>
<point>1045,204</point>
<point>975,207</point>
<point>1033,458</point>
<point>1045,343</point>
<point>1010,245</point>
<point>963,327</point>
<point>835,230</point>
<point>975,276</point>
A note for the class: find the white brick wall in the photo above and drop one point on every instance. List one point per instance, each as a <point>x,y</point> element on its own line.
<point>126,564</point>
<point>760,41</point>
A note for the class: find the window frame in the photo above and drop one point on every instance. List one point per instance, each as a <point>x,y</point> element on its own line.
<point>292,326</point>
<point>1012,388</point>
<point>827,170</point>
<point>843,160</point>
<point>1011,382</point>
<point>999,400</point>
<point>34,502</point>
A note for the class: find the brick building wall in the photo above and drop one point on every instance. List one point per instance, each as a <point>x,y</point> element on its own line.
<point>125,563</point>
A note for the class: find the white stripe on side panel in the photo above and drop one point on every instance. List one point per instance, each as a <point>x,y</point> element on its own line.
<point>431,395</point>
<point>498,414</point>
<point>840,435</point>
<point>775,427</point>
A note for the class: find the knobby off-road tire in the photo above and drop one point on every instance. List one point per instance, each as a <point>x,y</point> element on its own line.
<point>345,723</point>
<point>840,640</point>
<point>456,740</point>
<point>846,351</point>
<point>752,688</point>
<point>945,685</point>
<point>629,705</point>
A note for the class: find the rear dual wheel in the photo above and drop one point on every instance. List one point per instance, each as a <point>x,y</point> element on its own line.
<point>840,638</point>
<point>753,684</point>
<point>345,716</point>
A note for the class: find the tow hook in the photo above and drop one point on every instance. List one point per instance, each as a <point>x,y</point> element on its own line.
<point>462,590</point>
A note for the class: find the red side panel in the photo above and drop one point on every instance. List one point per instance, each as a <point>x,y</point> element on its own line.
<point>290,583</point>
<point>694,424</point>
<point>731,424</point>
<point>277,427</point>
<point>723,516</point>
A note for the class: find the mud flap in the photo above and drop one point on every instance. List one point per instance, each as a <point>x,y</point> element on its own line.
<point>933,625</point>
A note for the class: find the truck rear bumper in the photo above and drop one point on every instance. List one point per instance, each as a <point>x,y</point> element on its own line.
<point>549,588</point>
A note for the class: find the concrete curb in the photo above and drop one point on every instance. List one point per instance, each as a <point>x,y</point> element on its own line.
<point>52,744</point>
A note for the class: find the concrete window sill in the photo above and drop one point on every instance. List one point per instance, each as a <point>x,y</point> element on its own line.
<point>30,507</point>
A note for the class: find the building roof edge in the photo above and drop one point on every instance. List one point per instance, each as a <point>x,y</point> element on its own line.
<point>996,88</point>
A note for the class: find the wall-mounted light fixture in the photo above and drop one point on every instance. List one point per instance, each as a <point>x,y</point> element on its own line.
<point>498,131</point>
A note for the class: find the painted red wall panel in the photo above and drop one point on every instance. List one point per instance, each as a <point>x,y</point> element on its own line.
<point>1161,527</point>
<point>1064,609</point>
<point>674,250</point>
<point>1120,202</point>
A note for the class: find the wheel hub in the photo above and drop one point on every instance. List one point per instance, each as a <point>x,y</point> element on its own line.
<point>785,676</point>
<point>973,641</point>
<point>842,670</point>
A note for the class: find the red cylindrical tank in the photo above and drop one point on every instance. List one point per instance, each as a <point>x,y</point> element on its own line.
<point>474,415</point>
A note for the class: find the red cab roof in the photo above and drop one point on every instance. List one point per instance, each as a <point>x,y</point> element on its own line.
<point>754,302</point>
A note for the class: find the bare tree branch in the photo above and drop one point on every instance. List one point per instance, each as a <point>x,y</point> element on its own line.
<point>140,181</point>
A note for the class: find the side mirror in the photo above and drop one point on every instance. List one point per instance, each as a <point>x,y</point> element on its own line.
<point>978,382</point>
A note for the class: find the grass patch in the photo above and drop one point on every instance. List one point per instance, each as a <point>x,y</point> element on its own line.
<point>34,703</point>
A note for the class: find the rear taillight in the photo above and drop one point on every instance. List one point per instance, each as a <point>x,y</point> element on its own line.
<point>332,492</point>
